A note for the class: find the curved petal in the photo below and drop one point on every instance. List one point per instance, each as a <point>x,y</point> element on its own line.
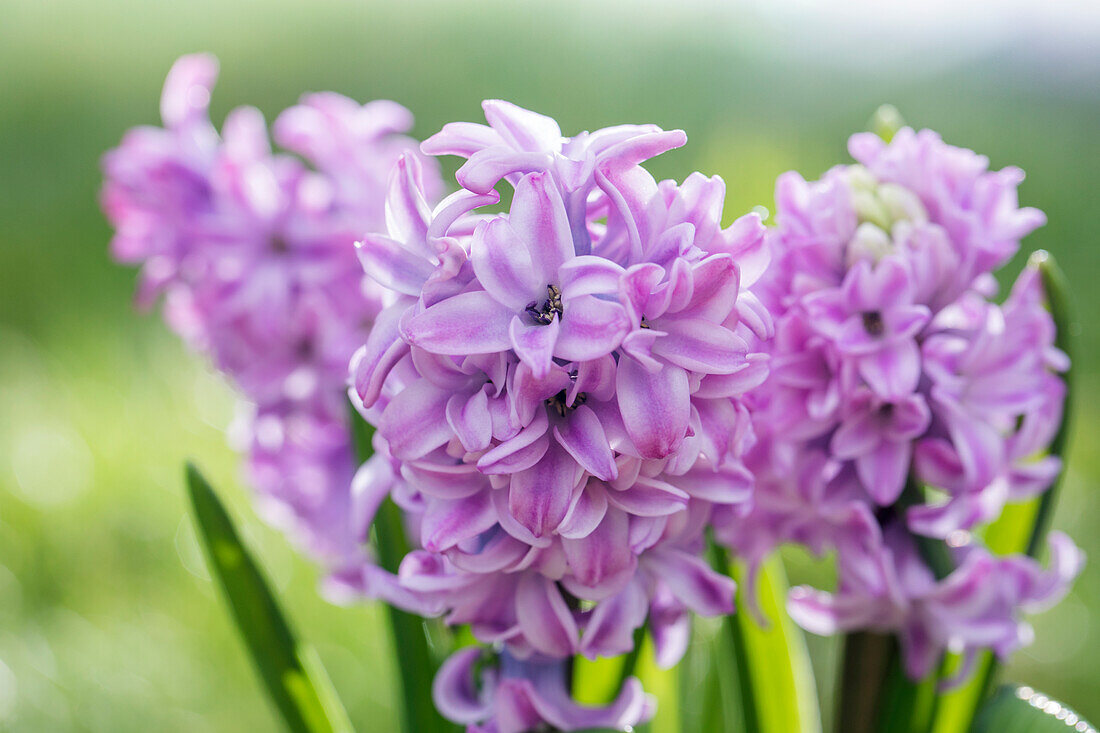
<point>468,416</point>
<point>521,452</point>
<point>603,557</point>
<point>503,264</point>
<point>585,512</point>
<point>534,344</point>
<point>892,372</point>
<point>655,407</point>
<point>468,323</point>
<point>693,582</point>
<point>883,470</point>
<point>857,435</point>
<point>582,435</point>
<point>457,693</point>
<point>447,522</point>
<point>538,216</point>
<point>522,128</point>
<point>407,212</point>
<point>610,628</point>
<point>649,498</point>
<point>544,618</point>
<point>415,421</point>
<point>539,497</point>
<point>700,346</point>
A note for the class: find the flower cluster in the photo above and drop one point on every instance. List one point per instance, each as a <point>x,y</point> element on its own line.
<point>557,394</point>
<point>570,389</point>
<point>253,254</point>
<point>902,400</point>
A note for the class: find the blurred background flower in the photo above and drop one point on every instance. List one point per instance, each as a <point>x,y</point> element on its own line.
<point>108,620</point>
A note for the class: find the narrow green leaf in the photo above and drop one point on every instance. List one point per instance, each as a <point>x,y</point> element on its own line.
<point>778,662</point>
<point>663,684</point>
<point>412,636</point>
<point>1061,310</point>
<point>290,670</point>
<point>1014,709</point>
<point>770,677</point>
<point>599,681</point>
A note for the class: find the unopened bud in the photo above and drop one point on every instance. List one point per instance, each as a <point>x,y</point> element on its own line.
<point>869,243</point>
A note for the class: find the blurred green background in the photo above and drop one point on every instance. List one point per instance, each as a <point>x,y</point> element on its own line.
<point>108,620</point>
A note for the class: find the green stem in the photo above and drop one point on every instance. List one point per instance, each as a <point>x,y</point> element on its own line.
<point>864,671</point>
<point>876,695</point>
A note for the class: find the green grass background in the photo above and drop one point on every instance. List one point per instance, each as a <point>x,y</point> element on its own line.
<point>108,621</point>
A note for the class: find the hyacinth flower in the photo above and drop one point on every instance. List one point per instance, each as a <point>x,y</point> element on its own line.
<point>557,390</point>
<point>905,406</point>
<point>573,396</point>
<point>252,253</point>
<point>518,695</point>
<point>885,585</point>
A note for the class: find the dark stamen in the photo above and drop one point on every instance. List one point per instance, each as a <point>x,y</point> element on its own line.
<point>279,245</point>
<point>873,323</point>
<point>544,315</point>
<point>560,402</point>
<point>644,323</point>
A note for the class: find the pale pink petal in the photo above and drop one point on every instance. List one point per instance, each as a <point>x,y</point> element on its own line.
<point>892,372</point>
<point>700,346</point>
<point>538,217</point>
<point>539,497</point>
<point>468,323</point>
<point>447,522</point>
<point>535,343</point>
<point>581,434</point>
<point>468,416</point>
<point>655,407</point>
<point>544,618</point>
<point>693,582</point>
<point>883,470</point>
<point>503,264</point>
<point>415,421</point>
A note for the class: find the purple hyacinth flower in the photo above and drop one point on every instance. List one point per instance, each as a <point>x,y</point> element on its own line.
<point>529,303</point>
<point>885,586</point>
<point>871,318</point>
<point>516,696</point>
<point>252,251</point>
<point>879,436</point>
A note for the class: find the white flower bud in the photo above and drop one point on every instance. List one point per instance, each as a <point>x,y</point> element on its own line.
<point>901,204</point>
<point>870,242</point>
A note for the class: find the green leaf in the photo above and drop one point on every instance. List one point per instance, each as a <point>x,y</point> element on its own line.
<point>1061,310</point>
<point>412,636</point>
<point>1015,709</point>
<point>770,676</point>
<point>599,681</point>
<point>290,670</point>
<point>778,663</point>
